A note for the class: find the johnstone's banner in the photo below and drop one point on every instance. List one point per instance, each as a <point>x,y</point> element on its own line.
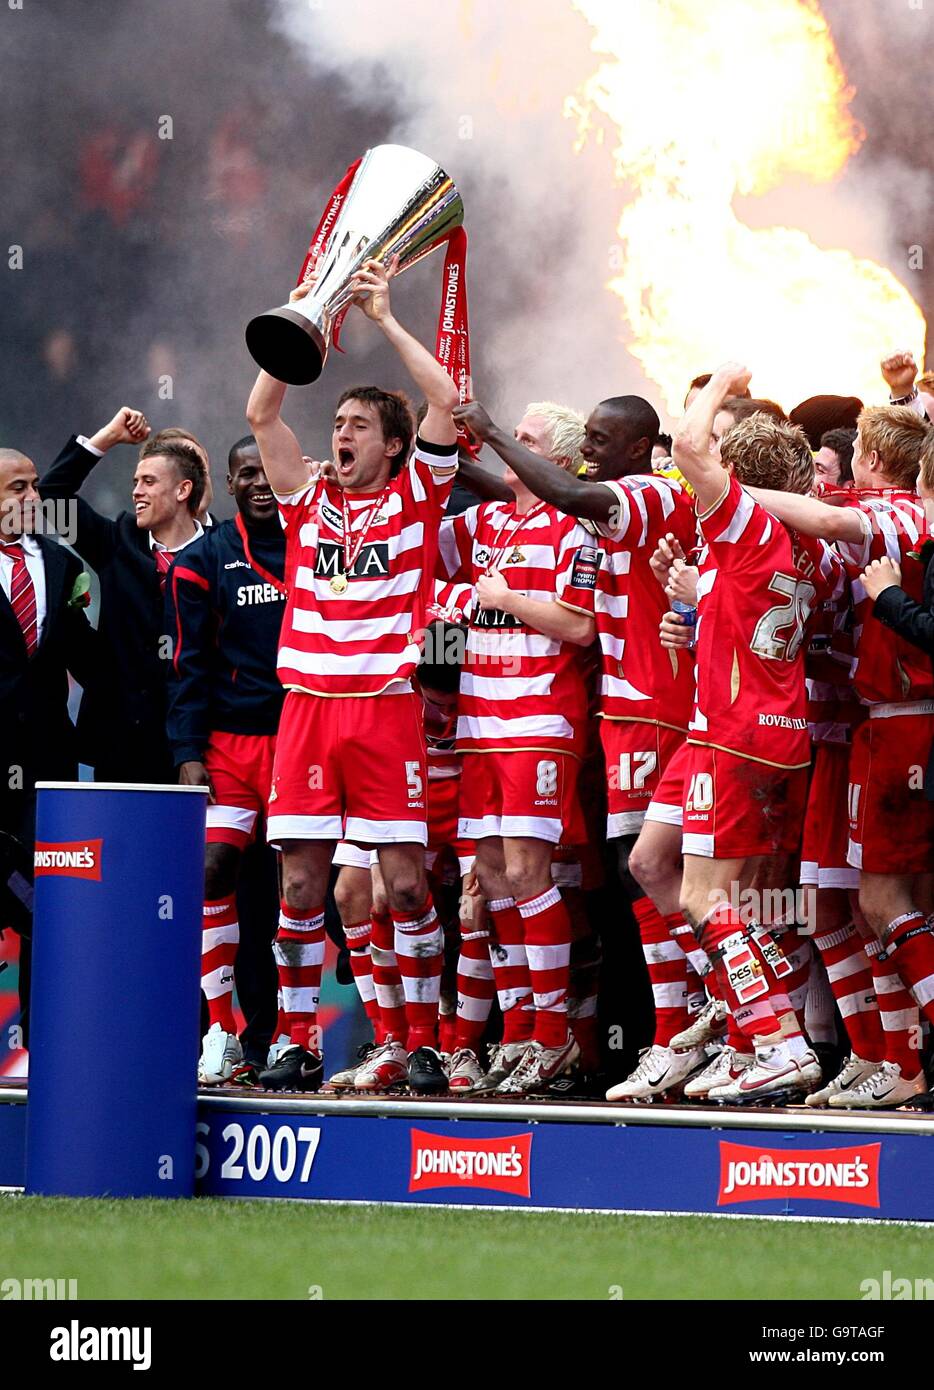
<point>645,1167</point>
<point>246,1152</point>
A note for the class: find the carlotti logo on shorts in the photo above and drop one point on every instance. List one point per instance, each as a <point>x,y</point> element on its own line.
<point>70,859</point>
<point>499,1165</point>
<point>827,1175</point>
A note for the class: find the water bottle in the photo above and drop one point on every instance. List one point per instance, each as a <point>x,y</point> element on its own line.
<point>686,612</point>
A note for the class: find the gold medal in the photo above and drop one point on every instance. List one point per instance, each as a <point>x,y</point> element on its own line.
<point>338,584</point>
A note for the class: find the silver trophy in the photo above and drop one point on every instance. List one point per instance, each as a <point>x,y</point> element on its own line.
<point>400,202</point>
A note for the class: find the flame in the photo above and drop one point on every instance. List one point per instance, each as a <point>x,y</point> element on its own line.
<point>710,101</point>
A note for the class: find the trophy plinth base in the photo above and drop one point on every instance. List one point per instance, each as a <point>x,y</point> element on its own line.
<point>286,346</point>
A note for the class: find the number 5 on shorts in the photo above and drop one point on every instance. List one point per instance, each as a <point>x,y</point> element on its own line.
<point>414,784</point>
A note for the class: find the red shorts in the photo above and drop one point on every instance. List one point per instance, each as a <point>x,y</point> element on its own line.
<point>636,755</point>
<point>667,804</point>
<point>526,794</point>
<point>443,813</point>
<point>443,797</point>
<point>735,808</point>
<point>824,846</point>
<point>891,822</point>
<point>351,768</point>
<point>240,769</point>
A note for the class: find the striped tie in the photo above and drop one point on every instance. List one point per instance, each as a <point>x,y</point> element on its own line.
<point>23,597</point>
<point>164,560</point>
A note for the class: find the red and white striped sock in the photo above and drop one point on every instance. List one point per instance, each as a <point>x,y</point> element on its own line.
<point>220,937</point>
<point>474,987</point>
<point>387,982</point>
<point>511,970</point>
<point>849,971</point>
<point>699,967</point>
<point>546,928</point>
<point>787,959</point>
<point>723,934</point>
<point>908,941</point>
<point>586,961</point>
<point>898,1013</point>
<point>357,936</point>
<point>667,965</point>
<point>299,953</point>
<point>420,954</point>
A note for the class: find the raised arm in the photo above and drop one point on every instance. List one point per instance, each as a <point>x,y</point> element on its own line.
<point>810,516</point>
<point>691,449</point>
<point>372,297</point>
<point>278,448</point>
<point>92,534</point>
<point>549,482</point>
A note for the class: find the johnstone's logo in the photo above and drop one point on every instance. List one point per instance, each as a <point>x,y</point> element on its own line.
<point>71,859</point>
<point>500,1165</point>
<point>827,1175</point>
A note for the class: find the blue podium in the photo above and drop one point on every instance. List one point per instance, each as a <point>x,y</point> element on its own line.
<point>115,990</point>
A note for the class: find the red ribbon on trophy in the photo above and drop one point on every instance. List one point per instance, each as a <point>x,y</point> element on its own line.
<point>452,345</point>
<point>320,240</point>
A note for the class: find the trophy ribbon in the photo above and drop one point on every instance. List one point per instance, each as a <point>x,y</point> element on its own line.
<point>321,237</point>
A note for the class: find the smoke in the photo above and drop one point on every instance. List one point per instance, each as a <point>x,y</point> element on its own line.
<point>143,257</point>
<point>481,88</point>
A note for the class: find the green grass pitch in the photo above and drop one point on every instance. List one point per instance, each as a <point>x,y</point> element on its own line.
<point>211,1248</point>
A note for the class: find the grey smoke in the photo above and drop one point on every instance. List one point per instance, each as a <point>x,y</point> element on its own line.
<point>100,311</point>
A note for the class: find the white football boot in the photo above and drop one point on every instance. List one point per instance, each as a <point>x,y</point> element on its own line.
<point>853,1073</point>
<point>386,1067</point>
<point>465,1071</point>
<point>538,1066</point>
<point>504,1059</point>
<point>727,1066</point>
<point>221,1054</point>
<point>883,1090</point>
<point>659,1069</point>
<point>774,1070</point>
<point>709,1025</point>
<point>346,1080</point>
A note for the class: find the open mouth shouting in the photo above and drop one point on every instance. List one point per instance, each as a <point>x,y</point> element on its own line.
<point>346,458</point>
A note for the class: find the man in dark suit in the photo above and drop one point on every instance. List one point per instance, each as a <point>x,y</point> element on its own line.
<point>122,722</point>
<point>44,635</point>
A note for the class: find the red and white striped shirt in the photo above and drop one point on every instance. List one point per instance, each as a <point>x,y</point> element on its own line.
<point>519,688</point>
<point>642,680</point>
<point>760,585</point>
<point>887,669</point>
<point>364,640</point>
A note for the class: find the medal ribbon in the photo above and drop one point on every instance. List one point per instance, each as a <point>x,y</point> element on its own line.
<point>351,556</point>
<point>512,523</point>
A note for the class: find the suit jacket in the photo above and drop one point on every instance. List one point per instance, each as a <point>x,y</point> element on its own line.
<point>915,622</point>
<point>36,732</point>
<point>121,727</point>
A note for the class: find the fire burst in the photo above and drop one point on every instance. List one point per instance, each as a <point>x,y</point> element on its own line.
<point>709,101</point>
